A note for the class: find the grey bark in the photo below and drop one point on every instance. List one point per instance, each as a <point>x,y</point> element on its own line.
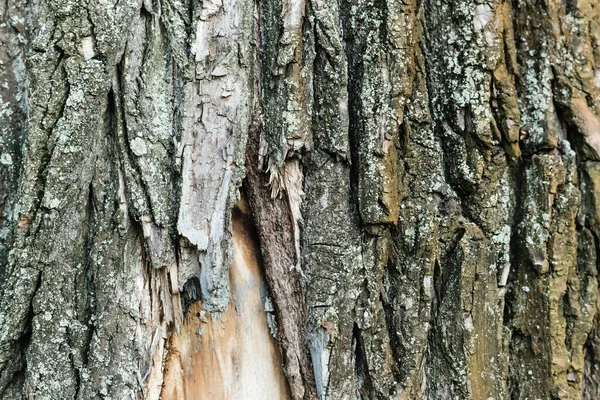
<point>424,180</point>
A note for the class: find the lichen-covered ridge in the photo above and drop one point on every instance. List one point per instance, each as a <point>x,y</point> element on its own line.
<point>423,176</point>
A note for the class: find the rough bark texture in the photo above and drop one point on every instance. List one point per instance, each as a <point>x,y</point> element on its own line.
<point>422,180</point>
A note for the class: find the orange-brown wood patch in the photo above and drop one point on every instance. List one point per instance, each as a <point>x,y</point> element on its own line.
<point>231,355</point>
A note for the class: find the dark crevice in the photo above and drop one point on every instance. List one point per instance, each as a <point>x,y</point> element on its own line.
<point>23,342</point>
<point>76,371</point>
<point>190,294</point>
<point>361,366</point>
<point>566,310</point>
<point>395,344</point>
<point>591,364</point>
<point>191,7</point>
<point>89,276</point>
<point>382,16</point>
<point>84,300</point>
<point>354,51</point>
<point>448,260</point>
<point>571,7</point>
<point>437,285</point>
<point>515,245</point>
<point>515,260</point>
<point>575,138</point>
<point>517,339</point>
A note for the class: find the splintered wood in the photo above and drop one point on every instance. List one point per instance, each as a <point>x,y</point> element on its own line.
<point>231,355</point>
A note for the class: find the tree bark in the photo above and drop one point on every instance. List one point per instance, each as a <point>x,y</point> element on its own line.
<point>303,199</point>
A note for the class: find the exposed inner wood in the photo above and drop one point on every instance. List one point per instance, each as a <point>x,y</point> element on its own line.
<point>232,355</point>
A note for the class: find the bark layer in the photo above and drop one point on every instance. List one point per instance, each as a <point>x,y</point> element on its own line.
<point>424,179</point>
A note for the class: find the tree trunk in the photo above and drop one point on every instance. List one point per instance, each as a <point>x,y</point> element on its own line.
<point>299,199</point>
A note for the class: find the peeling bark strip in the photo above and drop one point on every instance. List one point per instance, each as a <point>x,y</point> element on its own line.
<point>424,178</point>
<point>216,115</point>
